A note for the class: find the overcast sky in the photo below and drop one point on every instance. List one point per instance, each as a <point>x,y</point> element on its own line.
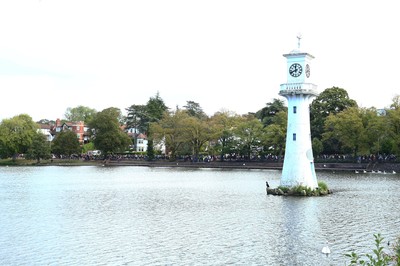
<point>221,54</point>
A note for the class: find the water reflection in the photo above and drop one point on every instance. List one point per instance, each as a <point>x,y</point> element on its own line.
<point>158,216</point>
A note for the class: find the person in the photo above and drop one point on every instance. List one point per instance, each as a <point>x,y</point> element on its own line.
<point>266,183</point>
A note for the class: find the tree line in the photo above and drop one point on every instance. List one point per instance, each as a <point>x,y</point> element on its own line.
<point>338,126</point>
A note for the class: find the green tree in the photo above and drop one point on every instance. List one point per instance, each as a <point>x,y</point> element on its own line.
<point>66,143</point>
<point>317,146</point>
<point>267,114</point>
<point>40,148</point>
<point>377,131</point>
<point>330,102</point>
<point>16,135</point>
<point>348,128</point>
<point>224,124</point>
<point>250,136</point>
<point>276,134</point>
<point>393,126</point>
<point>194,109</point>
<point>79,113</point>
<point>155,109</point>
<point>137,118</point>
<point>106,131</point>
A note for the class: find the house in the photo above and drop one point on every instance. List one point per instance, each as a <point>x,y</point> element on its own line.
<point>77,127</point>
<point>46,130</point>
<point>141,143</point>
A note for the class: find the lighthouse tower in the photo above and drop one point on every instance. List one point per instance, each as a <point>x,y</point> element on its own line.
<point>298,167</point>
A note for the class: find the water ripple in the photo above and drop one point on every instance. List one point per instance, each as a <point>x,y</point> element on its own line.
<point>162,216</point>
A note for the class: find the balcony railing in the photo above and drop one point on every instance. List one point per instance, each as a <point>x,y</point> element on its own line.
<point>298,88</point>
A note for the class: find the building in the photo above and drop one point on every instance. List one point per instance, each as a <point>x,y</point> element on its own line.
<point>77,127</point>
<point>298,167</point>
<point>46,129</point>
<point>141,143</point>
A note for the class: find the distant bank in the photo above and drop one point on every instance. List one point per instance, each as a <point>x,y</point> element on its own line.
<point>334,166</point>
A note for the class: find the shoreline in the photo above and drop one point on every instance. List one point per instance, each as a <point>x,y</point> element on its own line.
<point>329,166</point>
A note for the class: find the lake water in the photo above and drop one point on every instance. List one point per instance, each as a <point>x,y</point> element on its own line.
<point>91,215</point>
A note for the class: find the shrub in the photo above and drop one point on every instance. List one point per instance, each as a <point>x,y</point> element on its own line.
<point>378,257</point>
<point>322,185</point>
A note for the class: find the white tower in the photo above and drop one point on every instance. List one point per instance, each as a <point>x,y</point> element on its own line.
<point>298,166</point>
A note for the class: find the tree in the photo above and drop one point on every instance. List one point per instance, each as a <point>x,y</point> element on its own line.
<point>137,118</point>
<point>331,101</point>
<point>276,134</point>
<point>170,131</point>
<point>224,124</point>
<point>395,103</point>
<point>195,110</point>
<point>198,132</point>
<point>267,114</point>
<point>106,132</point>
<point>317,146</point>
<point>392,124</point>
<point>16,135</point>
<point>347,127</point>
<point>377,130</point>
<point>40,148</point>
<point>79,113</point>
<point>249,135</point>
<point>155,109</point>
<point>66,143</point>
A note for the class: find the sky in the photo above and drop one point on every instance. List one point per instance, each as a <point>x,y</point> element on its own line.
<point>226,55</point>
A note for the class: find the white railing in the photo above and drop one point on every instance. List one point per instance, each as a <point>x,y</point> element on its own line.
<point>298,88</point>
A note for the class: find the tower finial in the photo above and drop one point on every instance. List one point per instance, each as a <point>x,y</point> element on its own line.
<point>299,36</point>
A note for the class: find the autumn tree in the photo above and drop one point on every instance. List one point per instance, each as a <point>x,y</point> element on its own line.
<point>170,131</point>
<point>198,132</point>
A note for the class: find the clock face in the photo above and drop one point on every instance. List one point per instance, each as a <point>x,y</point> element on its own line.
<point>307,71</point>
<point>295,70</point>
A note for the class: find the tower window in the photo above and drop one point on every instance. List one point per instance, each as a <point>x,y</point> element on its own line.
<point>294,136</point>
<point>294,109</point>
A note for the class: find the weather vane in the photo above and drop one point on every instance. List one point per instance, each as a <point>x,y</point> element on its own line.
<point>298,40</point>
